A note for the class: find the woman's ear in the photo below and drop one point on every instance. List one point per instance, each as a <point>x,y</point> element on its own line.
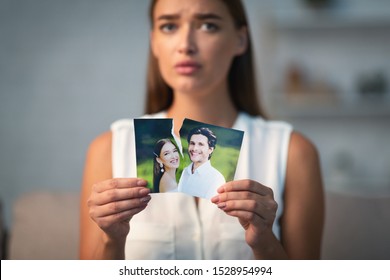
<point>242,40</point>
<point>158,160</point>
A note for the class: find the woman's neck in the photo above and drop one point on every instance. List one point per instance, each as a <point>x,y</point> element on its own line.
<point>171,172</point>
<point>216,109</point>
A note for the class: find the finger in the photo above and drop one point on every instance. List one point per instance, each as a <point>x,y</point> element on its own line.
<point>246,185</point>
<point>264,209</point>
<point>117,207</point>
<point>106,221</point>
<point>113,195</point>
<point>241,195</point>
<point>249,217</point>
<point>119,183</point>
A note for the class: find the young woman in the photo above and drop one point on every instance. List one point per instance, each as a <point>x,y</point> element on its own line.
<point>201,68</point>
<point>166,160</point>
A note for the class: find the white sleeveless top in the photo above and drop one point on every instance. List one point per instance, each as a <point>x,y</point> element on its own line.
<point>173,227</point>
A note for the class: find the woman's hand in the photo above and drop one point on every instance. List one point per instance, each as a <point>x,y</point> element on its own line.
<point>254,206</point>
<point>114,202</point>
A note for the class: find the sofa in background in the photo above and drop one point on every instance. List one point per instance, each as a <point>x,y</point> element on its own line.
<point>46,226</point>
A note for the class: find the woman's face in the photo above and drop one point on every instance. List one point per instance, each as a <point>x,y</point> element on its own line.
<point>169,156</point>
<point>199,149</point>
<point>195,42</point>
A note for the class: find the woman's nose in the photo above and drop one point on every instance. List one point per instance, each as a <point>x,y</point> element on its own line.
<point>187,41</point>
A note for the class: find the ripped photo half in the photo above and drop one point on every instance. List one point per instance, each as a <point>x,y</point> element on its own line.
<point>197,163</point>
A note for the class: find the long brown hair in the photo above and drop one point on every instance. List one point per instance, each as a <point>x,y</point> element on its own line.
<point>241,77</point>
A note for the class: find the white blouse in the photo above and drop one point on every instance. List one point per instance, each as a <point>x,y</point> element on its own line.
<point>173,227</point>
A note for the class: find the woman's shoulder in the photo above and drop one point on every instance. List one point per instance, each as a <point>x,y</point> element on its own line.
<point>121,124</point>
<point>128,123</point>
<point>98,159</point>
<point>101,145</point>
<point>167,183</point>
<point>262,126</point>
<point>302,149</point>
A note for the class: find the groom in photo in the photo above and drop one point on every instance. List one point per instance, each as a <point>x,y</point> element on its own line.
<point>200,178</point>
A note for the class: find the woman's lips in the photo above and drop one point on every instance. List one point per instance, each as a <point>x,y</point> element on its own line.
<point>187,67</point>
<point>174,163</point>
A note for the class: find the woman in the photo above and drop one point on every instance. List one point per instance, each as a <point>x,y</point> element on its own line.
<point>201,68</point>
<point>165,164</point>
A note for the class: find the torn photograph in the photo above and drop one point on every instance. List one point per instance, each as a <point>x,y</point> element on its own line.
<point>201,160</point>
<point>210,157</point>
<point>158,157</point>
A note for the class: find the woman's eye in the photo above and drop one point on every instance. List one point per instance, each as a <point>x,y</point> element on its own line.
<point>168,27</point>
<point>209,27</point>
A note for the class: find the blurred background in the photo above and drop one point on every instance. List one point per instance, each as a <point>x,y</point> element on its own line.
<point>69,68</point>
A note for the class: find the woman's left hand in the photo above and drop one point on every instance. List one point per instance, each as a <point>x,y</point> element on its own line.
<point>254,206</point>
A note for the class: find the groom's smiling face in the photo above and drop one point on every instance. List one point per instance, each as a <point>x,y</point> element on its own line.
<point>198,149</point>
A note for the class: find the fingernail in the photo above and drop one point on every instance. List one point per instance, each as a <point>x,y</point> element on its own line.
<point>221,205</point>
<point>145,199</point>
<point>141,182</point>
<point>215,199</point>
<point>144,191</point>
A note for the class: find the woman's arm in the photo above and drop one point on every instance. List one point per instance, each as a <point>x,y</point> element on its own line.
<point>97,168</point>
<point>107,204</point>
<point>303,218</point>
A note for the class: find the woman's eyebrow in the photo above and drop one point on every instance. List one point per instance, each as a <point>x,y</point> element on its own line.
<point>205,16</point>
<point>168,17</point>
<point>199,16</point>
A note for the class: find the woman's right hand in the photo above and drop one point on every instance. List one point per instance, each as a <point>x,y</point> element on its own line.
<point>112,203</point>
